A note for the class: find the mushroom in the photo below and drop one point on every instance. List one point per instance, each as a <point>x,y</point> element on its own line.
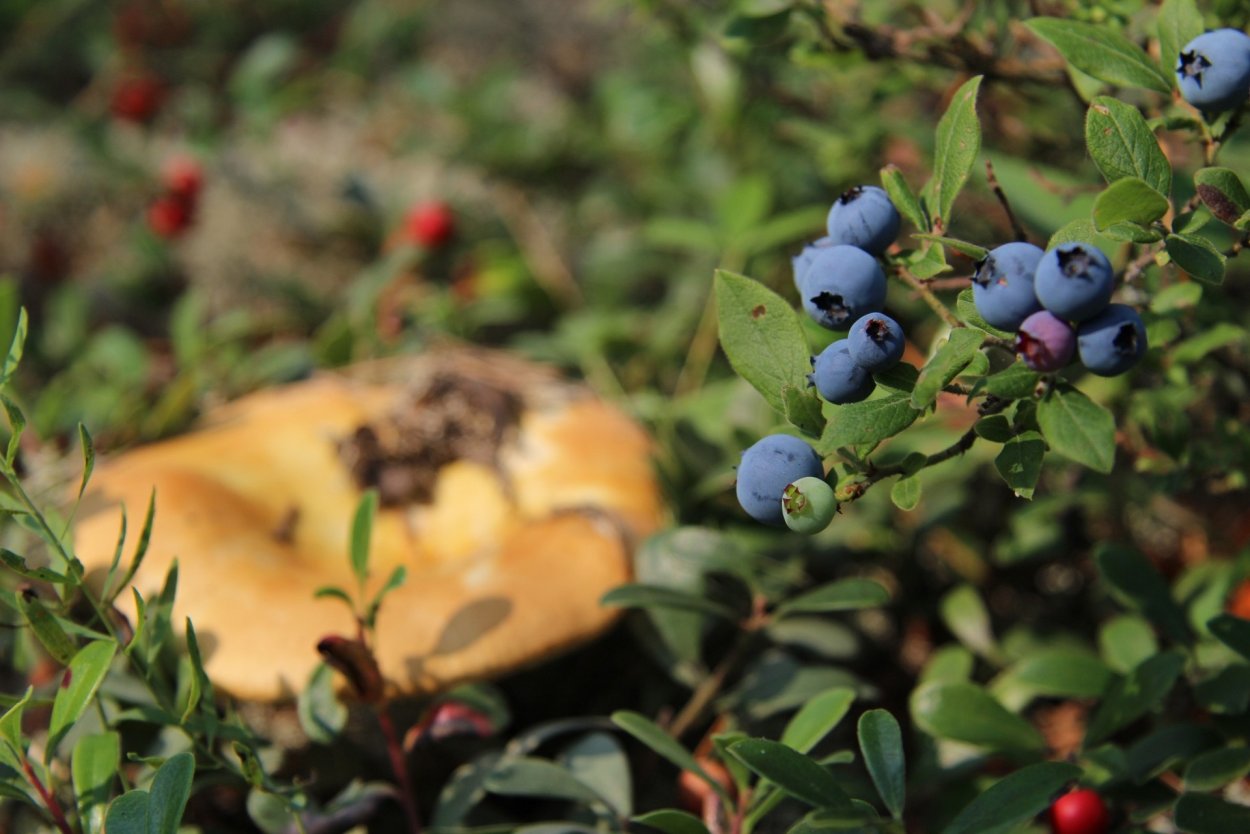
<point>512,497</point>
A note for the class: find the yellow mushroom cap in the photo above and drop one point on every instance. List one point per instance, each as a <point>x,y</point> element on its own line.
<point>509,540</point>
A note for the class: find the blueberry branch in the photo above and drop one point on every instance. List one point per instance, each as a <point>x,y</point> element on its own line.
<point>991,405</point>
<point>992,181</point>
<point>927,295</point>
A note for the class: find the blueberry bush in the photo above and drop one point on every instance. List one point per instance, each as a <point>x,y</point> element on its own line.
<point>936,312</point>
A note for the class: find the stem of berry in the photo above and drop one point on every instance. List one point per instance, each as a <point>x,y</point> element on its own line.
<point>49,799</point>
<point>396,753</point>
<point>991,405</point>
<point>927,295</point>
<point>992,181</point>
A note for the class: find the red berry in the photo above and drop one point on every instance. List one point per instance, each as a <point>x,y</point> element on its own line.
<point>430,224</point>
<point>183,177</point>
<point>169,216</point>
<point>137,98</point>
<point>1080,812</point>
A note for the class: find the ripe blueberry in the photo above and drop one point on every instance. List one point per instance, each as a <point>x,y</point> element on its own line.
<point>804,259</point>
<point>864,216</point>
<point>1002,287</point>
<point>875,342</point>
<point>1213,70</point>
<point>1074,281</point>
<point>1080,812</point>
<point>841,284</point>
<point>1111,342</point>
<point>838,377</point>
<point>1045,342</point>
<point>774,462</point>
<point>808,505</point>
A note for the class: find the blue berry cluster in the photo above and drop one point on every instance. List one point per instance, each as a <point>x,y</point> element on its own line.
<point>842,373</point>
<point>1058,302</point>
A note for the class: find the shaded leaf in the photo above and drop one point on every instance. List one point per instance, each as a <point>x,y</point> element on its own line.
<point>817,718</point>
<point>1020,462</point>
<point>654,737</point>
<point>950,358</point>
<point>963,711</point>
<point>86,673</point>
<point>881,741</point>
<point>1197,256</point>
<point>1217,768</point>
<point>1179,22</point>
<point>1015,798</point>
<point>867,422</point>
<point>842,595</point>
<point>1132,696</point>
<point>1078,428</point>
<point>1197,813</point>
<point>1128,200</point>
<point>672,822</point>
<point>93,767</point>
<point>128,814</point>
<point>168,794</point>
<point>524,776</point>
<point>792,772</point>
<point>1101,52</point>
<point>635,595</point>
<point>903,198</point>
<point>1134,581</point>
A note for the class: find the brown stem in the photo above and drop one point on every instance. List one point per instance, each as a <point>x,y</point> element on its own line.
<point>1137,266</point>
<point>1235,250</point>
<point>925,293</point>
<point>992,180</point>
<point>991,405</point>
<point>710,687</point>
<point>49,799</point>
<point>396,753</point>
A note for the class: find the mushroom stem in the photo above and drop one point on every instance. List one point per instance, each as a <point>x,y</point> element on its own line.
<point>395,750</point>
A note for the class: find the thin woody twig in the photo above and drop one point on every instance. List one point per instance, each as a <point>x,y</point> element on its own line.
<point>992,180</point>
<point>925,293</point>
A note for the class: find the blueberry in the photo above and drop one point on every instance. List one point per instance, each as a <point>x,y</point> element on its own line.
<point>776,461</point>
<point>1213,70</point>
<point>1074,281</point>
<point>808,505</point>
<point>864,216</point>
<point>875,342</point>
<point>841,284</point>
<point>838,377</point>
<point>804,259</point>
<point>1002,287</point>
<point>1045,342</point>
<point>1111,342</point>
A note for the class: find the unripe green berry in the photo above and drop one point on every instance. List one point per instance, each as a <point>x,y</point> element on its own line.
<point>808,505</point>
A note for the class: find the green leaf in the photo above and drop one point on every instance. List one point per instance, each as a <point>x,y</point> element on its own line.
<point>1015,382</point>
<point>598,761</point>
<point>93,767</point>
<point>464,789</point>
<point>1123,146</point>
<point>905,493</point>
<point>817,718</point>
<point>1218,335</point>
<point>1020,462</point>
<point>362,532</point>
<point>1129,200</point>
<point>947,362</point>
<point>203,687</point>
<point>397,578</point>
<point>958,142</point>
<point>321,713</point>
<point>903,198</point>
<point>636,595</point>
<point>962,711</point>
<point>16,346</point>
<point>18,565</point>
<point>17,425</point>
<point>654,737</point>
<point>763,338</point>
<point>881,740</point>
<point>88,457</point>
<point>1132,696</point>
<point>672,822</point>
<point>1134,581</point>
<point>1217,768</point>
<point>12,743</point>
<point>951,663</point>
<point>1197,813</point>
<point>842,595</point>
<point>963,247</point>
<point>1179,22</point>
<point>1223,193</point>
<point>1012,800</point>
<point>968,619</point>
<point>793,772</point>
<point>1101,52</point>
<point>86,673</point>
<point>46,627</point>
<point>1126,641</point>
<point>168,794</point>
<point>1227,692</point>
<point>525,776</point>
<point>1078,428</point>
<point>1197,256</point>
<point>128,814</point>
<point>867,422</point>
<point>1233,632</point>
<point>1055,672</point>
